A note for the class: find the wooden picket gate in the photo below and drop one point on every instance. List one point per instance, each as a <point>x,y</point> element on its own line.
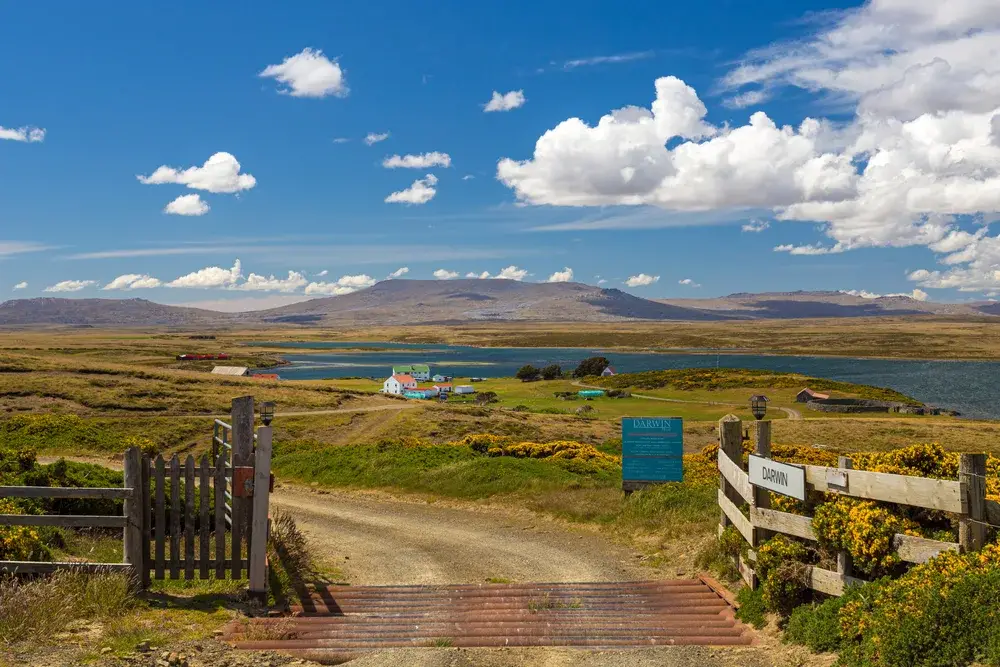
<point>209,518</point>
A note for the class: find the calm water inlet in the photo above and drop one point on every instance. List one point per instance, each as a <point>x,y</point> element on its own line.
<point>971,387</point>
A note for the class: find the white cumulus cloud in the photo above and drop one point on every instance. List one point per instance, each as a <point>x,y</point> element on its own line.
<point>398,273</point>
<point>343,285</point>
<point>220,173</point>
<point>133,281</point>
<point>512,273</point>
<point>755,225</point>
<point>309,74</point>
<point>481,276</point>
<point>422,161</point>
<point>445,274</point>
<point>374,137</point>
<point>26,134</point>
<point>187,205</point>
<point>564,276</point>
<point>70,285</point>
<point>21,285</point>
<point>209,277</point>
<point>916,294</point>
<point>687,282</point>
<point>421,192</point>
<point>505,101</point>
<point>259,283</point>
<point>641,280</point>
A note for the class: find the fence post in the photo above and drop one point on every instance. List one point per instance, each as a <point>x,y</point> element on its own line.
<point>261,491</point>
<point>845,563</point>
<point>731,443</point>
<point>761,497</point>
<point>242,417</point>
<point>134,528</point>
<point>972,527</point>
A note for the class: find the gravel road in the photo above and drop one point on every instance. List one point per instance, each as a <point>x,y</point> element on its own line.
<point>375,539</point>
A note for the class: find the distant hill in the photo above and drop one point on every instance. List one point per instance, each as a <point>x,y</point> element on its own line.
<point>104,312</point>
<point>429,301</point>
<point>802,304</point>
<point>403,302</point>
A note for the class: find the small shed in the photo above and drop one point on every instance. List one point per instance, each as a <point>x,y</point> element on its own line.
<point>465,389</point>
<point>266,376</point>
<point>807,395</point>
<point>609,371</point>
<point>590,393</point>
<point>419,394</point>
<point>235,371</point>
<point>439,378</point>
<point>443,387</point>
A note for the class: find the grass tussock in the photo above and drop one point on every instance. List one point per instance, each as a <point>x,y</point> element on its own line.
<point>40,608</point>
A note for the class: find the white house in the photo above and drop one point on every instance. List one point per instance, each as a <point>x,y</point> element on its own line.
<point>443,388</point>
<point>397,384</point>
<point>416,371</point>
<point>610,370</point>
<point>465,389</point>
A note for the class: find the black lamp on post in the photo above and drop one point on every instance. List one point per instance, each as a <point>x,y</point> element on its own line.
<point>758,406</point>
<point>267,412</point>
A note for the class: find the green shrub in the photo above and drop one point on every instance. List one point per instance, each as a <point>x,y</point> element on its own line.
<point>752,608</point>
<point>817,625</point>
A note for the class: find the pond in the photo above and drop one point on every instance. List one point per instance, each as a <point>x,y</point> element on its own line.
<point>971,387</point>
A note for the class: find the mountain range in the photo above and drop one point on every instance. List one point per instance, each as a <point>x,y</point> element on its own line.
<point>406,302</point>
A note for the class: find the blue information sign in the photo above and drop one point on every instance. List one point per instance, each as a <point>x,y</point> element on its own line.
<point>652,450</point>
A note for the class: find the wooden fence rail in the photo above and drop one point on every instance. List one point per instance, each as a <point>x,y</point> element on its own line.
<point>196,518</point>
<point>964,498</point>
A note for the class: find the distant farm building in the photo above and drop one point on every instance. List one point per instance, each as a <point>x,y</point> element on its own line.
<point>266,376</point>
<point>609,371</point>
<point>416,371</point>
<point>443,388</point>
<point>807,395</point>
<point>235,371</point>
<point>465,389</point>
<point>202,357</point>
<point>398,384</point>
<point>440,378</point>
<point>591,393</point>
<point>419,394</point>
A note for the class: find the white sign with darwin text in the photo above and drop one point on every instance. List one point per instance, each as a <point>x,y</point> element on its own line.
<point>783,478</point>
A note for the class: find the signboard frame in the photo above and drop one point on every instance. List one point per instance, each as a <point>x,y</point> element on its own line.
<point>784,478</point>
<point>652,451</point>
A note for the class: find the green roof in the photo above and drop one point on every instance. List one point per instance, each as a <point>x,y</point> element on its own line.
<point>414,368</point>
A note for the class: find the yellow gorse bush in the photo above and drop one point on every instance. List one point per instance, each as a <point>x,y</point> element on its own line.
<point>20,542</point>
<point>864,529</point>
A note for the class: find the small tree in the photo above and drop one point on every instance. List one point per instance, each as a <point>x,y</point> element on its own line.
<point>591,366</point>
<point>485,397</point>
<point>551,372</point>
<point>527,373</point>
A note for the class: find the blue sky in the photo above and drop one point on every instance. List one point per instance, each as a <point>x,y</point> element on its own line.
<point>95,101</point>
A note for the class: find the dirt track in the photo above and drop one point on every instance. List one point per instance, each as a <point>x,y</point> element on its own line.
<point>375,539</point>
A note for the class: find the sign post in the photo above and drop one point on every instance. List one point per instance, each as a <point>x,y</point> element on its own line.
<point>652,450</point>
<point>784,478</point>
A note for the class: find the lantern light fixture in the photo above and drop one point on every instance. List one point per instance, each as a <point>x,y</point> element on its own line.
<point>758,406</point>
<point>267,412</point>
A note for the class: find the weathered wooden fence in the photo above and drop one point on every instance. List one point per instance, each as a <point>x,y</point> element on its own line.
<point>965,497</point>
<point>205,518</point>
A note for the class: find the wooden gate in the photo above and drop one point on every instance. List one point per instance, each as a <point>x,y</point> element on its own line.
<point>209,518</point>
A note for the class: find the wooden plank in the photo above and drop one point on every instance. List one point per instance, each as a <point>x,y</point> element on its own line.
<point>203,489</point>
<point>147,520</point>
<point>760,498</point>
<point>32,567</point>
<point>971,527</point>
<point>220,516</point>
<point>783,522</point>
<point>175,518</point>
<point>919,549</point>
<point>937,494</point>
<point>831,583</point>
<point>63,492</point>
<point>845,561</point>
<point>65,521</point>
<point>747,572</point>
<point>161,517</point>
<point>739,480</point>
<point>132,545</point>
<point>189,518</point>
<point>258,534</point>
<point>735,516</point>
<point>731,445</point>
<point>242,441</point>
